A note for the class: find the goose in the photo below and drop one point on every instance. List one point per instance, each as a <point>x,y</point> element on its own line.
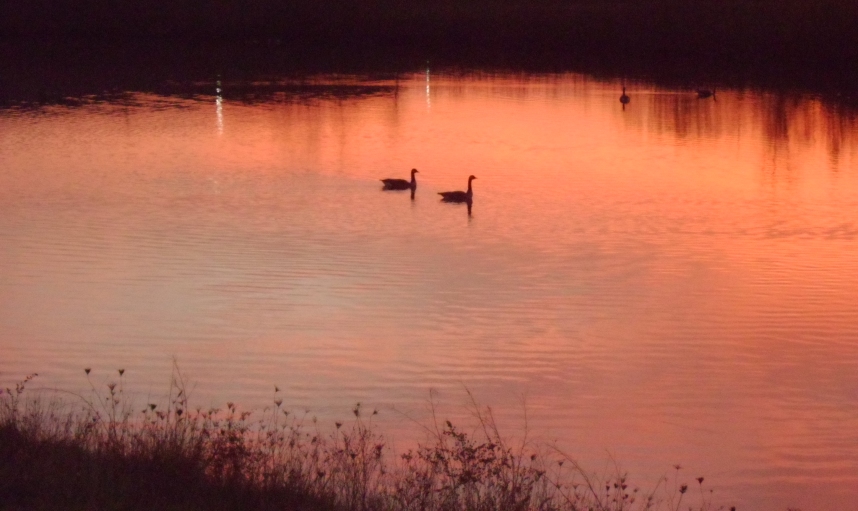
<point>459,196</point>
<point>705,93</point>
<point>624,99</point>
<point>401,184</point>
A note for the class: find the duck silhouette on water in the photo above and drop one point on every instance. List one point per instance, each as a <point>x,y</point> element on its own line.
<point>459,196</point>
<point>624,99</point>
<point>401,184</point>
<point>706,93</point>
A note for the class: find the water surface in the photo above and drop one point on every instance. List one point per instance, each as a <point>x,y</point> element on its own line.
<point>672,282</point>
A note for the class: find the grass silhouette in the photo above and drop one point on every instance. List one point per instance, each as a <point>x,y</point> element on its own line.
<point>100,452</point>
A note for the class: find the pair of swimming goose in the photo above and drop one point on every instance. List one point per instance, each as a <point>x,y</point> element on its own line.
<point>402,184</point>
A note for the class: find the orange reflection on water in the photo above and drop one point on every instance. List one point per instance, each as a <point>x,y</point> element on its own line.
<point>671,281</point>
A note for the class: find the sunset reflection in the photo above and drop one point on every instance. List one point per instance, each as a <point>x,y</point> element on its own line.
<point>672,281</point>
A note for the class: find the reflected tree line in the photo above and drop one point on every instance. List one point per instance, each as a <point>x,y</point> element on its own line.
<point>783,119</point>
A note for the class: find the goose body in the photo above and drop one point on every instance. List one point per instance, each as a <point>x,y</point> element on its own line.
<point>459,196</point>
<point>705,93</point>
<point>401,184</point>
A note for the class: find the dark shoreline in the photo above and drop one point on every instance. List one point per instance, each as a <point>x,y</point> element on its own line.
<point>74,47</point>
<point>60,72</point>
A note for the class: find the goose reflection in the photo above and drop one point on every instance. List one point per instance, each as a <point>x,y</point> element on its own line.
<point>469,203</point>
<point>401,184</point>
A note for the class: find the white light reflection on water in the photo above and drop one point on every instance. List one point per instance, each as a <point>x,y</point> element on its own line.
<point>219,108</point>
<point>428,95</point>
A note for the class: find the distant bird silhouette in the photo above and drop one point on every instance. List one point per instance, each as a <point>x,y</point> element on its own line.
<point>459,196</point>
<point>624,99</point>
<point>401,184</point>
<point>705,93</point>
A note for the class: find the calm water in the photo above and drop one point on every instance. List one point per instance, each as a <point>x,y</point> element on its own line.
<point>670,283</point>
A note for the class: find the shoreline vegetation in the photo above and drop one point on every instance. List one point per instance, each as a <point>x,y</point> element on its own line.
<point>780,44</point>
<point>100,451</point>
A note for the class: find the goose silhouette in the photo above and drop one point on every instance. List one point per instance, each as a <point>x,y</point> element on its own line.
<point>459,196</point>
<point>624,99</point>
<point>401,184</point>
<point>705,93</point>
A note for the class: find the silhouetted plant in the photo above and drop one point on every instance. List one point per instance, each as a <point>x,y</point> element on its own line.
<point>103,454</point>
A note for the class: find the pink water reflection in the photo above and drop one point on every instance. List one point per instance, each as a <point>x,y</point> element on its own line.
<point>672,282</point>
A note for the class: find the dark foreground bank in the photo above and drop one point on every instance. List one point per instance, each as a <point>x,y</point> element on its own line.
<point>770,42</point>
<point>95,452</point>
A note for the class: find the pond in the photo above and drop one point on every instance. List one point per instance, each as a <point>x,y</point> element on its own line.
<point>670,281</point>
